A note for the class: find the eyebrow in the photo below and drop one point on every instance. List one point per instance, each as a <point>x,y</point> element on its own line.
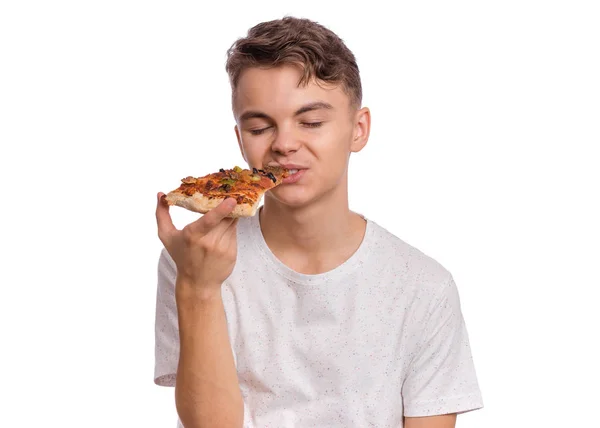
<point>317,105</point>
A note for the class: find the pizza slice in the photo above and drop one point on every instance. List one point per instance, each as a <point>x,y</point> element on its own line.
<point>247,186</point>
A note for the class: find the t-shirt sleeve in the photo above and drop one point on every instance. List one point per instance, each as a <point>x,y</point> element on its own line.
<point>441,377</point>
<point>166,349</point>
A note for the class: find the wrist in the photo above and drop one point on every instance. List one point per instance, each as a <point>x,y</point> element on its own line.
<point>188,290</point>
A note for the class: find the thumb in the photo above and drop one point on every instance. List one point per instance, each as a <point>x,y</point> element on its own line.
<point>164,223</point>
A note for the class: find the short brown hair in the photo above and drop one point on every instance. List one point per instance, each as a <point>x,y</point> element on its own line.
<point>320,52</point>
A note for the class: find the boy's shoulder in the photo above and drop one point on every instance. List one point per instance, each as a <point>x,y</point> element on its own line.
<point>390,251</point>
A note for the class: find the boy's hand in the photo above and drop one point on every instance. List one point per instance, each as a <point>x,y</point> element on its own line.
<point>204,251</point>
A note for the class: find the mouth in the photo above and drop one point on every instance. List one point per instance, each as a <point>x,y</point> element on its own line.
<point>289,169</point>
<point>295,174</point>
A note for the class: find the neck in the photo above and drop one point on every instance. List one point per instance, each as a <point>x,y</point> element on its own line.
<point>318,228</point>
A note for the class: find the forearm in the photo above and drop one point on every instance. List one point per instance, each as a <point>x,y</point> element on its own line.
<point>207,392</point>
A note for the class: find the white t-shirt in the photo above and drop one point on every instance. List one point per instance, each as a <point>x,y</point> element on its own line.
<point>380,337</point>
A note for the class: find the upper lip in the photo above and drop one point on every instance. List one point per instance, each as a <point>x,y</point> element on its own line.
<point>289,166</point>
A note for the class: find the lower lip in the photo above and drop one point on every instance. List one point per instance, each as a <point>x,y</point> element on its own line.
<point>293,178</point>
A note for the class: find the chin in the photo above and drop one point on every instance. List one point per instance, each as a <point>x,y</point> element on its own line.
<point>291,196</point>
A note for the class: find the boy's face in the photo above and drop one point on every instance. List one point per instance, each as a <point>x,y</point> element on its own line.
<point>312,127</point>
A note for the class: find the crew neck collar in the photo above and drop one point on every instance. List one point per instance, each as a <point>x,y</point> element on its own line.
<point>357,259</point>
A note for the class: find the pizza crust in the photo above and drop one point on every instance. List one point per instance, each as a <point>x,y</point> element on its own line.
<point>202,204</point>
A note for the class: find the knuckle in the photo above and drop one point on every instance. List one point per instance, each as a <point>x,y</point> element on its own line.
<point>192,238</point>
<point>210,245</point>
<point>188,235</point>
<point>224,249</point>
<point>205,245</point>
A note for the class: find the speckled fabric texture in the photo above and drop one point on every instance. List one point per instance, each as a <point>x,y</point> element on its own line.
<point>378,338</point>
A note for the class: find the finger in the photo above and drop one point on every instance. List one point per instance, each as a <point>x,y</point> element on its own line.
<point>233,225</point>
<point>163,218</point>
<point>211,219</point>
<point>220,228</point>
<point>230,231</point>
<point>229,225</point>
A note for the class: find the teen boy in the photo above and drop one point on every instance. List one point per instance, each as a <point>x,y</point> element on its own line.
<point>307,314</point>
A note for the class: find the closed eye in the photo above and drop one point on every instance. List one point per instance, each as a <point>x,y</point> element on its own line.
<point>312,124</point>
<point>258,131</point>
<point>306,124</point>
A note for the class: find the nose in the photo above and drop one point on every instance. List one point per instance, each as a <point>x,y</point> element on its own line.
<point>285,142</point>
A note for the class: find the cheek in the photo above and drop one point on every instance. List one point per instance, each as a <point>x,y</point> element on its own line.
<point>334,150</point>
<point>254,152</point>
<point>332,162</point>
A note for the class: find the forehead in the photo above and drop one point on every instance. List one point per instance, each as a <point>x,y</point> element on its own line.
<point>276,91</point>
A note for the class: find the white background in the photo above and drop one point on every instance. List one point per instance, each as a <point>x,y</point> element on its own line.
<point>486,125</point>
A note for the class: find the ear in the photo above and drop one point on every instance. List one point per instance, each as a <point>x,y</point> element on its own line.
<point>362,129</point>
<point>239,140</point>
